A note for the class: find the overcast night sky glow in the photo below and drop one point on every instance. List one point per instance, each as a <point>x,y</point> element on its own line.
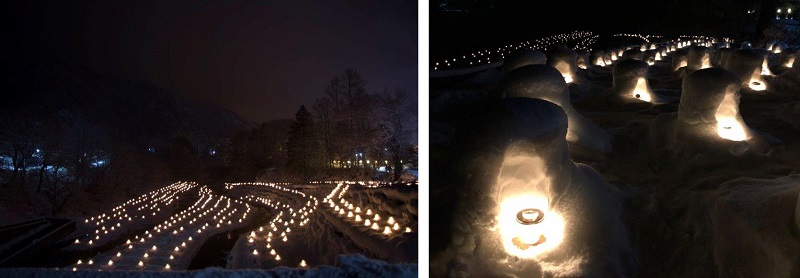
<point>261,59</point>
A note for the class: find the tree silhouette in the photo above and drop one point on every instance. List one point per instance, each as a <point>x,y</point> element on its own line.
<point>303,152</point>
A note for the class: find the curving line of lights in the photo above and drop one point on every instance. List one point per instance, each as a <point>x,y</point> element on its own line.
<point>109,226</point>
<point>489,56</point>
<point>165,243</point>
<point>267,239</point>
<point>371,222</point>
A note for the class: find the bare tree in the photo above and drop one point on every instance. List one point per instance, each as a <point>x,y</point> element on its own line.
<point>397,121</point>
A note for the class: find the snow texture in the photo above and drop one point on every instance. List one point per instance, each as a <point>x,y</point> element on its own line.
<point>680,59</point>
<point>746,63</point>
<point>525,137</point>
<point>564,60</point>
<point>694,129</point>
<point>755,228</point>
<point>788,82</point>
<point>630,82</point>
<point>523,57</point>
<point>721,56</point>
<point>544,82</point>
<point>698,58</point>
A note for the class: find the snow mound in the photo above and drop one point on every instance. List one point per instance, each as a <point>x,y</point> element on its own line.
<point>545,82</point>
<point>630,82</point>
<point>708,120</point>
<point>698,59</point>
<point>520,157</point>
<point>746,63</point>
<point>788,82</point>
<point>523,57</point>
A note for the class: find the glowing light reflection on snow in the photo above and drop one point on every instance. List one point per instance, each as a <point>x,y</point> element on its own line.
<point>641,91</point>
<point>728,124</point>
<point>757,85</point>
<point>551,227</point>
<point>568,78</point>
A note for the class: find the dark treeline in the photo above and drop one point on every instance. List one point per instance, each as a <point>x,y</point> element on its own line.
<point>347,132</point>
<point>73,142</point>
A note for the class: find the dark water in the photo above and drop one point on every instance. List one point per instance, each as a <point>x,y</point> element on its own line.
<point>215,251</point>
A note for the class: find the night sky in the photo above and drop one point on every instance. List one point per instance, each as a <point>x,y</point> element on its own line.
<point>261,59</point>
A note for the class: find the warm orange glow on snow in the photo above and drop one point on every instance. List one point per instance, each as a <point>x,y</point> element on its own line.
<point>729,125</point>
<point>641,92</point>
<point>526,239</point>
<point>568,78</point>
<point>757,85</point>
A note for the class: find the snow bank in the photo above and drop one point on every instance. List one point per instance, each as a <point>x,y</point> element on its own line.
<point>788,82</point>
<point>523,57</point>
<point>756,223</point>
<point>346,266</point>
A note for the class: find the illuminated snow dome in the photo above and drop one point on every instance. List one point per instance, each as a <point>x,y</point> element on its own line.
<point>583,61</point>
<point>721,57</point>
<point>523,57</point>
<point>630,82</point>
<point>598,58</point>
<point>543,82</point>
<point>747,64</point>
<point>633,54</point>
<point>528,210</point>
<point>564,60</point>
<point>711,97</point>
<point>680,59</point>
<point>788,82</point>
<point>708,119</point>
<point>787,58</point>
<point>699,58</point>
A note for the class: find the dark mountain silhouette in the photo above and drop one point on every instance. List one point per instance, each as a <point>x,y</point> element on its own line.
<point>44,89</point>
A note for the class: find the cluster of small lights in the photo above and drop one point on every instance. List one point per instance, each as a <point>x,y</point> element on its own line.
<point>109,226</point>
<point>646,38</point>
<point>265,240</point>
<point>367,184</point>
<point>586,43</point>
<point>662,50</point>
<point>162,245</point>
<point>489,56</point>
<point>386,226</point>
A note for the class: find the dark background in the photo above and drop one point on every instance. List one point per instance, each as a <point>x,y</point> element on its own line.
<point>261,59</point>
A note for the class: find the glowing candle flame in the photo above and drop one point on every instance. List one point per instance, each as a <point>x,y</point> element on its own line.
<point>524,230</point>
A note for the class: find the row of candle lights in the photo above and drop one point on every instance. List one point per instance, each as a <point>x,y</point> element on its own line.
<point>489,56</point>
<point>353,213</point>
<point>108,226</point>
<point>210,214</point>
<point>277,231</point>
